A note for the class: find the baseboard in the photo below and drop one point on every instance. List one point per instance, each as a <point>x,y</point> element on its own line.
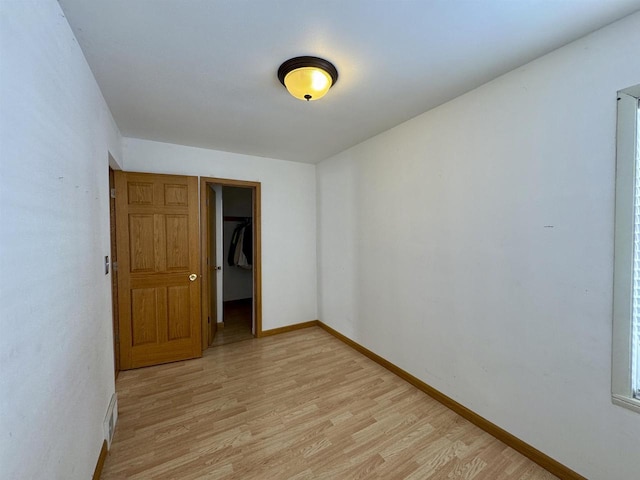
<point>289,328</point>
<point>101,459</point>
<point>505,437</point>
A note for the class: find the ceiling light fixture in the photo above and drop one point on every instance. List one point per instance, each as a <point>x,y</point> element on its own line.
<point>307,78</point>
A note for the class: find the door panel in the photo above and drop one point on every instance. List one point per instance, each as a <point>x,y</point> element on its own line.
<point>178,302</point>
<point>159,305</point>
<point>144,315</point>
<point>140,193</point>
<point>177,236</point>
<point>141,235</point>
<point>175,195</point>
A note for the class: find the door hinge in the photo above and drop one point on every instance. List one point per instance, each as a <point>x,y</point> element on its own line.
<point>117,338</point>
<point>114,266</point>
<point>113,193</point>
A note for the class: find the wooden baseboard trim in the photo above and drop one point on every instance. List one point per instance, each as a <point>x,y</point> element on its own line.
<point>505,437</point>
<point>101,459</point>
<point>289,328</point>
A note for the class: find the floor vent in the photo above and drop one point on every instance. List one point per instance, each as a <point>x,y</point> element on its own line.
<point>111,419</point>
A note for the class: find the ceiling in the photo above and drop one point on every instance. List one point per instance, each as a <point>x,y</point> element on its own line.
<point>203,72</point>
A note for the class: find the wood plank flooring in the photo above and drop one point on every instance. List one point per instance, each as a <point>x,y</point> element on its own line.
<point>237,322</point>
<point>301,405</point>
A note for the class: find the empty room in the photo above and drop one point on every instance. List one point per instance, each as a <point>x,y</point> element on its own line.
<point>285,239</point>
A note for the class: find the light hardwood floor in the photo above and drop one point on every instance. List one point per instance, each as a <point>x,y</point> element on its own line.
<point>301,405</point>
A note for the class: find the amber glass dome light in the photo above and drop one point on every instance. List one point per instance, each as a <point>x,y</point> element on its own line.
<point>307,78</point>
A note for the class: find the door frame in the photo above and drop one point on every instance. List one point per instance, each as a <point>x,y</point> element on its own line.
<point>257,247</point>
<point>113,263</point>
<point>208,212</point>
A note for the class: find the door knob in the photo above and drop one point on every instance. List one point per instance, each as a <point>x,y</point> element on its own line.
<point>193,277</point>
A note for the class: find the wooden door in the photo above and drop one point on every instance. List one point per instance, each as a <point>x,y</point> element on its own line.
<point>213,268</point>
<point>158,272</point>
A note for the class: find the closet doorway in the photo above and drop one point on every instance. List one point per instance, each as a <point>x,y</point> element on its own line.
<point>231,260</point>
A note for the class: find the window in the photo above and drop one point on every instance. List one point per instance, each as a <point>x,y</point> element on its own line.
<point>626,289</point>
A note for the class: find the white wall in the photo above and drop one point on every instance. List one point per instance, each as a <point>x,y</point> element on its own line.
<point>289,292</point>
<point>473,247</point>
<point>56,347</point>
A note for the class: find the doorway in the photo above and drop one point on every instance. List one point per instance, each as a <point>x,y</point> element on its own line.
<point>231,261</point>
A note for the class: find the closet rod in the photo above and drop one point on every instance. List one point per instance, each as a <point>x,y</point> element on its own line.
<point>235,219</point>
